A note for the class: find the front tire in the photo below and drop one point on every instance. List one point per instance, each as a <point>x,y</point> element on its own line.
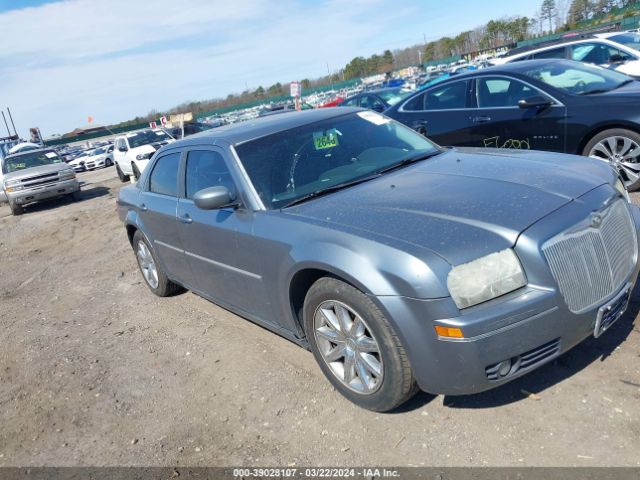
<point>356,347</point>
<point>153,275</point>
<point>135,171</point>
<point>621,148</point>
<point>123,178</point>
<point>16,209</point>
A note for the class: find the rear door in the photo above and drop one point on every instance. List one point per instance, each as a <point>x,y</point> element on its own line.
<point>157,210</point>
<point>440,112</point>
<point>499,122</point>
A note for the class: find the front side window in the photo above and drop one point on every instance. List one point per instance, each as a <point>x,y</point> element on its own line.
<point>30,160</point>
<point>286,166</point>
<point>501,92</point>
<point>371,102</point>
<point>164,177</point>
<point>353,102</point>
<point>576,78</point>
<point>598,53</point>
<point>206,168</point>
<point>393,96</point>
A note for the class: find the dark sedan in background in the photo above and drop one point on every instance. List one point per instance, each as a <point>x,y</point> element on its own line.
<point>378,100</point>
<point>400,264</point>
<point>554,105</point>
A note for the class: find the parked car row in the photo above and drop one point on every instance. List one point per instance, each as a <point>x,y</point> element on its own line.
<point>92,159</point>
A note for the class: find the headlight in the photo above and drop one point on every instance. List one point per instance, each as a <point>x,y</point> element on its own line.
<point>66,175</point>
<point>623,191</point>
<point>485,278</point>
<point>143,156</point>
<point>13,185</point>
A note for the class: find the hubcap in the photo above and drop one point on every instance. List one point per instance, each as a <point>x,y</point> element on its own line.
<point>348,347</point>
<point>622,153</point>
<point>147,265</point>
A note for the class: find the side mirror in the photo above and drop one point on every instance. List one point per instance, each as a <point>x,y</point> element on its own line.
<point>122,149</point>
<point>616,58</point>
<point>213,198</point>
<point>535,101</point>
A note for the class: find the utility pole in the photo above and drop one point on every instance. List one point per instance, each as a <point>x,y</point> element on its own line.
<point>329,73</point>
<point>11,118</point>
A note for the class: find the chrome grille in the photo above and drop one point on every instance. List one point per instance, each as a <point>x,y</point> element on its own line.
<point>594,259</point>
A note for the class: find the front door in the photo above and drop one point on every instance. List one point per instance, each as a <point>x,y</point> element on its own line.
<point>213,239</point>
<point>499,122</point>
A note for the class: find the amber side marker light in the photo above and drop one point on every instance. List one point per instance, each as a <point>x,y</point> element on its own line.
<point>449,332</point>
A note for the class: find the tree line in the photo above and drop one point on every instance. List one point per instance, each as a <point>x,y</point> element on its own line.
<point>553,16</point>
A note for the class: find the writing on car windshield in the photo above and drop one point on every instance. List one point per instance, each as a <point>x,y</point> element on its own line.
<point>292,164</point>
<point>29,160</point>
<point>147,137</point>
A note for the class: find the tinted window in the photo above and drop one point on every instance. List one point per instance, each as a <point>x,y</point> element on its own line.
<point>206,169</point>
<point>372,102</point>
<point>501,92</point>
<point>164,177</point>
<point>578,78</point>
<point>353,102</point>
<point>451,95</point>
<point>631,40</point>
<point>597,53</point>
<point>553,53</point>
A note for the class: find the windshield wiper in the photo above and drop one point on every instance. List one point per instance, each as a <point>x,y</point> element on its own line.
<point>376,174</point>
<point>407,161</point>
<point>325,191</point>
<point>605,90</point>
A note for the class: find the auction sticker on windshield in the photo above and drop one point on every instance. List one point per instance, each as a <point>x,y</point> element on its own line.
<point>328,139</point>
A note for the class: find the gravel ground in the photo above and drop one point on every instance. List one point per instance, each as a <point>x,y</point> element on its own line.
<point>95,370</point>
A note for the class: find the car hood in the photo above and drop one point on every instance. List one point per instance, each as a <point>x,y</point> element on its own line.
<point>462,204</point>
<point>35,171</point>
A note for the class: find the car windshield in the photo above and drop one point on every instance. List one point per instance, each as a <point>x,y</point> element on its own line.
<point>98,151</point>
<point>286,166</point>
<point>631,40</point>
<point>146,137</point>
<point>29,160</point>
<point>392,96</point>
<point>578,78</point>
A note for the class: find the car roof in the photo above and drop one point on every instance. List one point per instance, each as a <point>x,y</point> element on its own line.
<point>262,126</point>
<point>35,150</point>
<point>515,67</point>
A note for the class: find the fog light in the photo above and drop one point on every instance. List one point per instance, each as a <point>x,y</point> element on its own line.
<point>504,368</point>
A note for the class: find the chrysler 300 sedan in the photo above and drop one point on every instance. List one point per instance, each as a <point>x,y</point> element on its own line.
<point>400,264</point>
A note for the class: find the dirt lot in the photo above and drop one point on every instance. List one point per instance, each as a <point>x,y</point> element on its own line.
<point>95,370</point>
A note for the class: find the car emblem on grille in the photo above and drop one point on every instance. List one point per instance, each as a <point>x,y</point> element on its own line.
<point>596,220</point>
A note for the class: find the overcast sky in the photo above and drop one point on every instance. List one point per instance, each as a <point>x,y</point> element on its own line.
<point>63,61</point>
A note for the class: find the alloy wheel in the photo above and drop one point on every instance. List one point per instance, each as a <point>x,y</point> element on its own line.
<point>623,153</point>
<point>147,265</point>
<point>348,347</point>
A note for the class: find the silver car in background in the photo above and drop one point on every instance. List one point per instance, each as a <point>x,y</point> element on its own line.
<point>400,264</point>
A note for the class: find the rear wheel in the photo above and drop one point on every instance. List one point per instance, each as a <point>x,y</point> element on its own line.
<point>108,162</point>
<point>154,277</point>
<point>123,178</point>
<point>356,347</point>
<point>16,209</point>
<point>621,148</point>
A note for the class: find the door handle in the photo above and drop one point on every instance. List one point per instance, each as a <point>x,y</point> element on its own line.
<point>480,119</point>
<point>185,218</point>
<point>143,208</point>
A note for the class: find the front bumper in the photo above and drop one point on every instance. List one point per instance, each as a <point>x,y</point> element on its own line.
<point>43,192</point>
<point>528,327</point>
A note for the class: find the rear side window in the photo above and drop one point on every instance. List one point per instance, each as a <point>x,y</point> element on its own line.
<point>444,97</point>
<point>553,53</point>
<point>164,177</point>
<point>206,168</point>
